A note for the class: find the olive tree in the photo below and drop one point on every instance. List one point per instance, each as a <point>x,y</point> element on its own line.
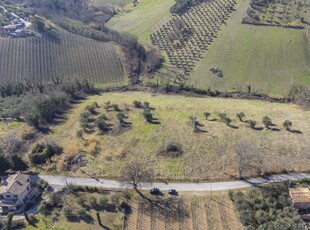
<point>287,124</point>
<point>267,121</point>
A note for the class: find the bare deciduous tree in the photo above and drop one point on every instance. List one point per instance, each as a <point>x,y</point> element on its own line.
<point>247,157</point>
<point>134,173</point>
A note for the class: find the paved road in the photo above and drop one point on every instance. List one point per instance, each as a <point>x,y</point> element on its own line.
<point>60,181</point>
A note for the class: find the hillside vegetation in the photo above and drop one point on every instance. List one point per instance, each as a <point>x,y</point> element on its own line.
<point>168,142</point>
<point>270,59</point>
<point>59,54</point>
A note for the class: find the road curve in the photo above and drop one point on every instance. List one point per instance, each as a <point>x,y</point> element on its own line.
<point>61,181</point>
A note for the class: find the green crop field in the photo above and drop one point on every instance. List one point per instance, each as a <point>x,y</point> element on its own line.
<point>59,55</point>
<point>270,59</point>
<point>202,151</point>
<point>143,19</point>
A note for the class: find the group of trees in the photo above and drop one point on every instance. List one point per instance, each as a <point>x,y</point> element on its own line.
<point>266,120</point>
<point>39,103</point>
<point>12,149</point>
<point>90,118</point>
<point>268,207</point>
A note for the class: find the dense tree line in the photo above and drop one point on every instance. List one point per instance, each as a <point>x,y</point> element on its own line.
<point>268,207</point>
<point>300,95</point>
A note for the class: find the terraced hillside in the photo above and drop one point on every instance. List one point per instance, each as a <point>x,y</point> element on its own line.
<point>59,54</point>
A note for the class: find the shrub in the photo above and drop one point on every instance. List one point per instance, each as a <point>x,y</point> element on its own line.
<point>9,220</point>
<point>267,121</point>
<point>120,116</point>
<point>107,105</point>
<point>42,184</point>
<point>222,116</point>
<point>103,201</point>
<point>95,104</point>
<point>171,149</point>
<point>287,124</point>
<point>115,107</point>
<point>81,212</point>
<point>241,115</point>
<point>146,105</point>
<point>115,199</point>
<point>41,153</point>
<point>304,180</point>
<point>252,124</point>
<point>80,201</point>
<point>231,195</point>
<point>67,211</point>
<point>91,109</point>
<point>137,104</point>
<point>227,120</point>
<point>42,209</point>
<point>206,115</point>
<point>147,115</point>
<point>92,201</point>
<point>79,134</point>
<point>32,218</point>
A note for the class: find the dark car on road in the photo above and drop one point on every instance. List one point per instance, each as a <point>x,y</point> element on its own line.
<point>172,192</point>
<point>155,191</point>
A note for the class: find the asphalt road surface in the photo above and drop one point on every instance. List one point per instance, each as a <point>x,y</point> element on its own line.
<point>61,181</point>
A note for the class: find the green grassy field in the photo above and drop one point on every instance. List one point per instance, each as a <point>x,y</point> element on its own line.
<point>143,19</point>
<point>270,59</point>
<point>201,157</point>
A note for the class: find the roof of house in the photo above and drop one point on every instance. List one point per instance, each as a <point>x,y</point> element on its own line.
<point>15,184</point>
<point>300,195</point>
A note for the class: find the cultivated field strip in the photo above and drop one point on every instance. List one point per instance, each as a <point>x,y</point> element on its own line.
<point>58,55</point>
<point>214,213</point>
<point>187,36</point>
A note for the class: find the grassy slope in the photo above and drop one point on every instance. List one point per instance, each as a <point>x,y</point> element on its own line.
<point>200,159</point>
<point>142,19</point>
<point>268,58</point>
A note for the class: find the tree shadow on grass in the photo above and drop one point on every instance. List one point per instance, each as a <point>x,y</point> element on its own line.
<point>44,130</point>
<point>87,219</point>
<point>155,121</point>
<point>233,126</point>
<point>274,129</point>
<point>199,130</point>
<point>295,131</point>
